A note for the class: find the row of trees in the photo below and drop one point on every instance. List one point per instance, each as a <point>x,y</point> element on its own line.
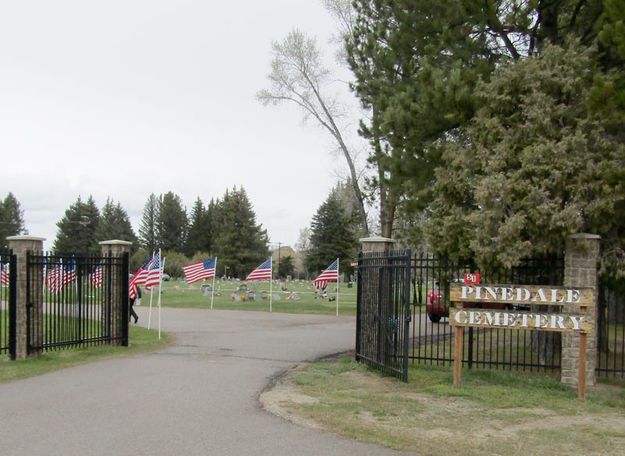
<point>495,127</point>
<point>225,227</point>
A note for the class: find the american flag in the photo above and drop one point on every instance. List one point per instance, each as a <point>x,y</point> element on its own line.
<point>4,275</point>
<point>262,272</point>
<point>330,274</point>
<point>142,273</point>
<point>60,275</point>
<point>138,278</point>
<point>95,278</point>
<point>154,272</point>
<point>199,271</point>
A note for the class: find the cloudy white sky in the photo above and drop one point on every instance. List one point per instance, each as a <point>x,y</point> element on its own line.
<point>123,98</point>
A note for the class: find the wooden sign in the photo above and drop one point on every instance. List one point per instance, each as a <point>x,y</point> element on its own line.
<point>526,296</point>
<point>486,318</point>
<point>522,294</point>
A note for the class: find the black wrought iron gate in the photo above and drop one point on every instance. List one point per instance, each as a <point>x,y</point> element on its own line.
<point>8,315</point>
<point>383,311</point>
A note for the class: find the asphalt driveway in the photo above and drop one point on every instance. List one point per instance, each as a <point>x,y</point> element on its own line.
<point>198,396</point>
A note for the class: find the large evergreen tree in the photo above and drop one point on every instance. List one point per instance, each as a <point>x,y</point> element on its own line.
<point>240,243</point>
<point>11,218</point>
<point>77,229</point>
<point>534,166</point>
<point>148,229</point>
<point>172,223</point>
<point>417,63</point>
<point>332,236</point>
<point>115,224</point>
<point>198,237</point>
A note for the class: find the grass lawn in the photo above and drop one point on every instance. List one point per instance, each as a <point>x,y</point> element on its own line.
<point>179,294</point>
<point>494,412</point>
<point>141,340</point>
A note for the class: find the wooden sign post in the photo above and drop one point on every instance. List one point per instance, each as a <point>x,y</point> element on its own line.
<point>581,322</point>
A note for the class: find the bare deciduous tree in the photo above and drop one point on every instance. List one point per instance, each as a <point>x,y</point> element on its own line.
<point>298,76</point>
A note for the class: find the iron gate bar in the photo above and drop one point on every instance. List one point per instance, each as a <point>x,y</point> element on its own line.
<point>77,313</point>
<point>383,311</point>
<point>431,343</point>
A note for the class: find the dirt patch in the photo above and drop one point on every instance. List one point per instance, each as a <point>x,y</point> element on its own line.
<point>381,410</point>
<point>283,398</point>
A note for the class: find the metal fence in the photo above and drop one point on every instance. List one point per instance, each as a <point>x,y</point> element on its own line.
<point>8,284</point>
<point>432,338</point>
<point>76,301</point>
<point>611,330</point>
<point>383,312</point>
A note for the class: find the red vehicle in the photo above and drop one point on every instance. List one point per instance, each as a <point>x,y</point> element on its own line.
<point>435,304</point>
<point>437,308</point>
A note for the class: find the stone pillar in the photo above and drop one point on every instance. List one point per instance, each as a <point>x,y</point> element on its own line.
<point>377,244</point>
<point>114,305</point>
<point>21,245</point>
<point>580,270</point>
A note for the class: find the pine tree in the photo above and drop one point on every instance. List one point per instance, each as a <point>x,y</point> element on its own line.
<point>332,236</point>
<point>535,166</point>
<point>115,224</point>
<point>11,218</point>
<point>77,229</point>
<point>286,267</point>
<point>198,229</point>
<point>241,243</point>
<point>172,223</point>
<point>148,231</point>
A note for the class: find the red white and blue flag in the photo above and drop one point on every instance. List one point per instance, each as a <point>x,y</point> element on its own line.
<point>330,274</point>
<point>95,278</point>
<point>262,272</point>
<point>61,275</point>
<point>154,272</point>
<point>4,275</point>
<point>138,278</point>
<point>200,271</point>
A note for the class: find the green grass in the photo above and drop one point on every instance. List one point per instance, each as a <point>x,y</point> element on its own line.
<point>140,340</point>
<point>494,412</point>
<point>180,295</point>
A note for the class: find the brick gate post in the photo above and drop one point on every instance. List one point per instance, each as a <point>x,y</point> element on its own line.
<point>118,323</point>
<point>580,270</point>
<point>21,245</point>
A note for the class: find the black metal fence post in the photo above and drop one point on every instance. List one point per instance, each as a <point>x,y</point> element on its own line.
<point>359,287</point>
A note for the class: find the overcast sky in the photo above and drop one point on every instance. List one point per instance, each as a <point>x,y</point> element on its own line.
<point>127,98</point>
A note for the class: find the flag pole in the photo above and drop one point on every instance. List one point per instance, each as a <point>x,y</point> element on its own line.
<point>160,282</point>
<point>151,296</point>
<point>214,275</point>
<point>338,281</point>
<point>150,312</point>
<point>271,289</point>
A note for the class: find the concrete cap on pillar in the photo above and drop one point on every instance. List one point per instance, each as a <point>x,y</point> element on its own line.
<point>377,244</point>
<point>115,242</point>
<point>25,238</point>
<point>376,239</point>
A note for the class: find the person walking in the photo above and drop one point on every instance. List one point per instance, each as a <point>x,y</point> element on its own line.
<point>132,313</point>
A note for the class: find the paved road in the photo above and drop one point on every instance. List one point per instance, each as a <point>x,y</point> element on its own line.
<point>196,397</point>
